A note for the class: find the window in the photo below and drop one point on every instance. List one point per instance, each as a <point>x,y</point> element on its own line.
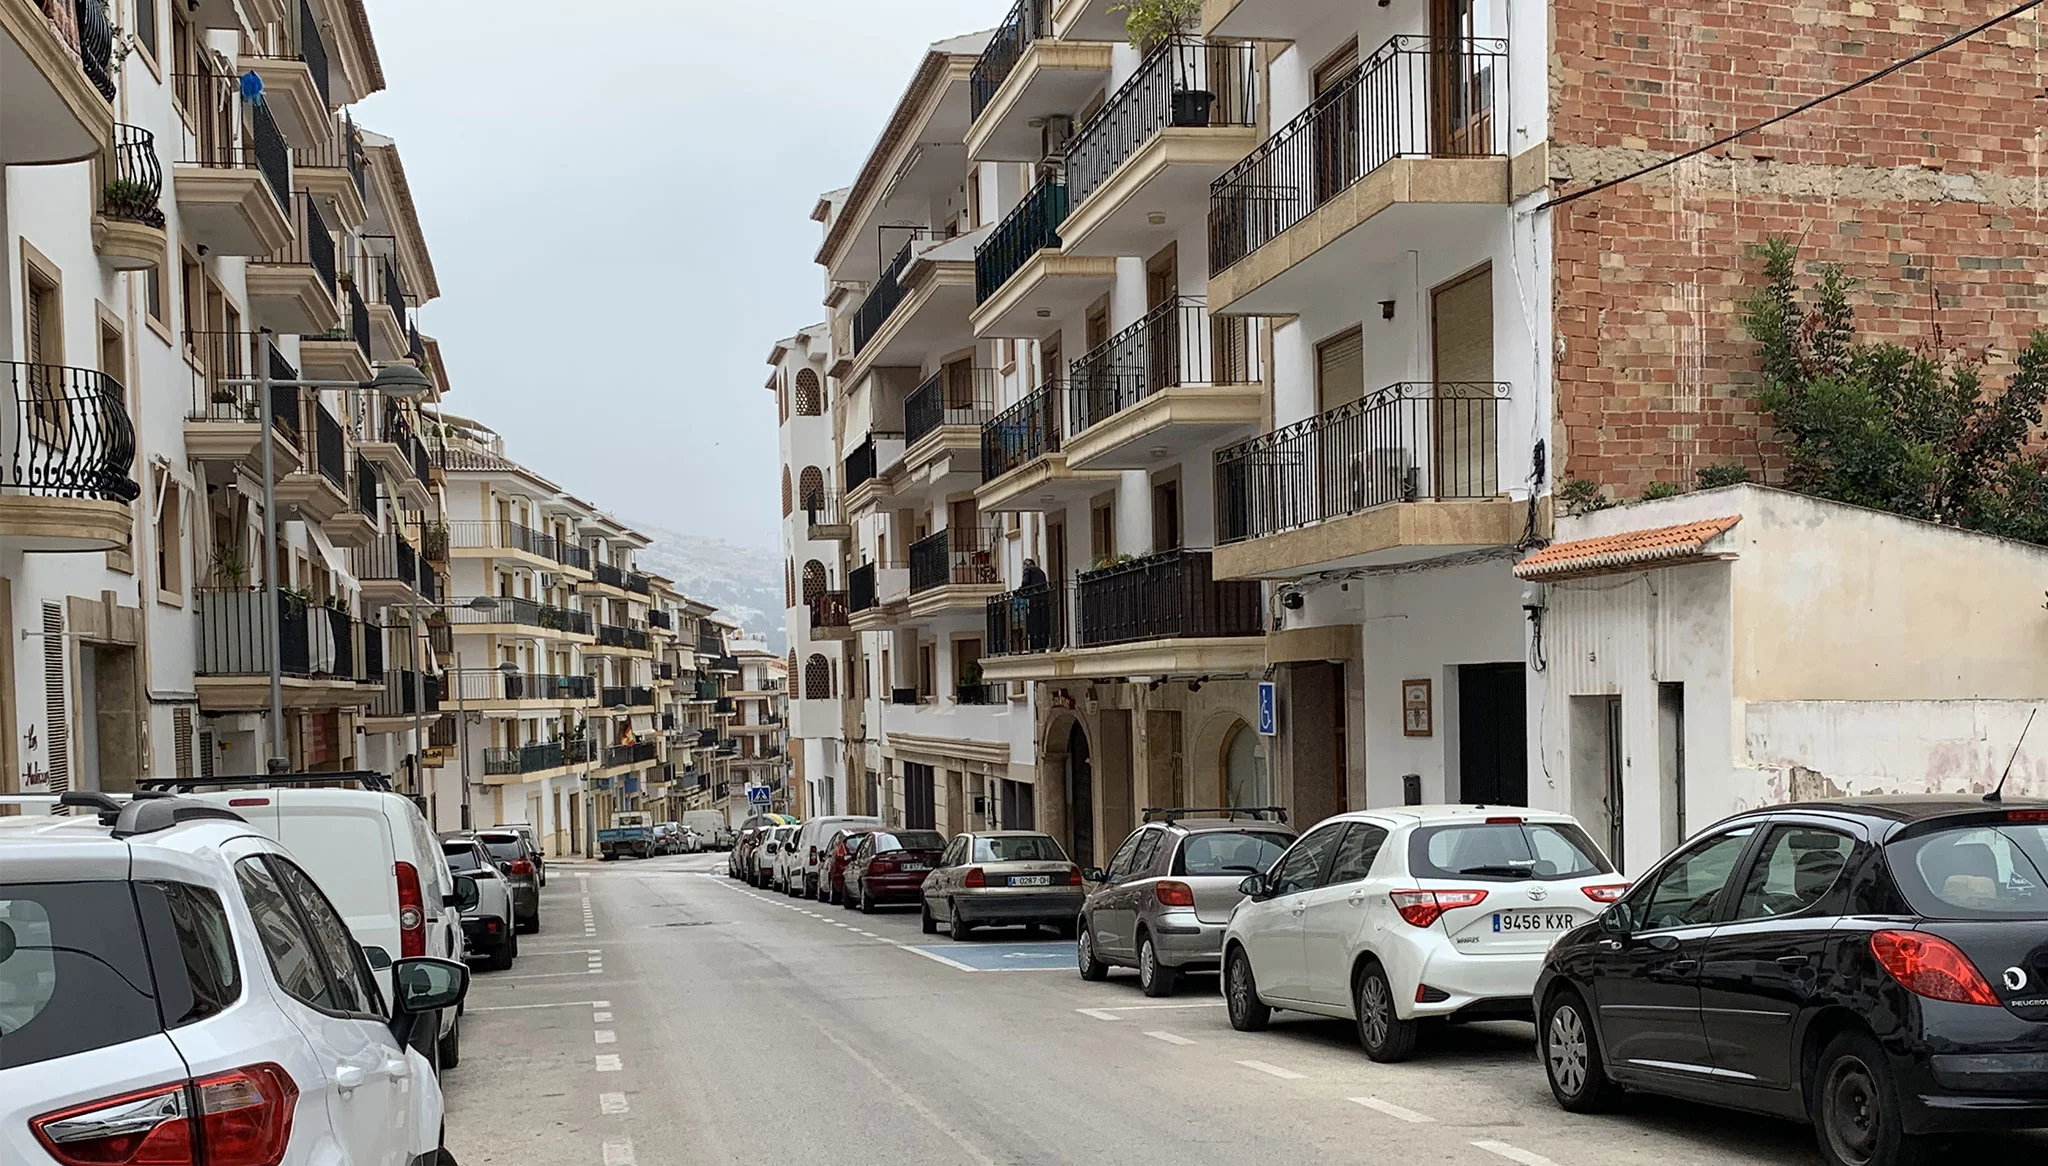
<point>43,324</point>
<point>1997,871</point>
<point>1023,848</point>
<point>1229,852</point>
<point>285,943</point>
<point>1504,850</point>
<point>145,26</point>
<point>810,399</point>
<point>212,979</point>
<point>354,989</point>
<point>153,292</point>
<point>1686,893</point>
<point>1356,853</point>
<point>1797,869</point>
<point>1301,869</point>
<point>1102,529</point>
<point>1148,848</point>
<point>1120,862</point>
<point>170,539</point>
<point>78,976</point>
<point>1244,771</point>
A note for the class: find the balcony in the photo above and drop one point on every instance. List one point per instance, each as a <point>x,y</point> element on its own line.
<point>612,640</point>
<point>317,487</point>
<point>357,525</point>
<point>618,579</point>
<point>129,230</point>
<point>1024,466</point>
<point>1275,20</point>
<point>402,455</point>
<point>316,651</point>
<point>334,171</point>
<point>526,760</point>
<point>1163,615</point>
<point>292,289</point>
<point>616,697</point>
<point>56,81</point>
<point>225,423</point>
<point>1410,472</point>
<point>867,468</point>
<point>511,615</point>
<point>341,353</point>
<point>1024,284</point>
<point>917,306</point>
<point>471,538</point>
<point>640,753</point>
<point>942,420</point>
<point>292,63</point>
<point>875,594</point>
<point>383,286</point>
<point>233,178</point>
<point>1028,620</point>
<point>406,695</point>
<point>1407,149</point>
<point>491,690</point>
<point>1140,170</point>
<point>661,621</point>
<point>954,568</point>
<point>831,616</point>
<point>67,449</point>
<point>389,570</point>
<point>1170,384</point>
<point>1024,78</point>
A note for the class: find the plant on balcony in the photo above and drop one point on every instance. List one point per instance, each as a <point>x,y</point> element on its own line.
<point>222,395</point>
<point>1105,562</point>
<point>128,199</point>
<point>1151,23</point>
<point>228,568</point>
<point>434,539</point>
<point>296,599</point>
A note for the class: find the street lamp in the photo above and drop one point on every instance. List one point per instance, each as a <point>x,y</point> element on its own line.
<point>401,381</point>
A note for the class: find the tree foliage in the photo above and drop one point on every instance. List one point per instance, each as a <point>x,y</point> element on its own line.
<point>1892,428</point>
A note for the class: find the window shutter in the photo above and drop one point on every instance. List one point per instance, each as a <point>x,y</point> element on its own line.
<point>58,723</point>
<point>206,752</point>
<point>1340,370</point>
<point>181,744</point>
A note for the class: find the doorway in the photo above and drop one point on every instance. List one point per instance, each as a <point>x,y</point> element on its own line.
<point>1493,766</point>
<point>1081,795</point>
<point>920,797</point>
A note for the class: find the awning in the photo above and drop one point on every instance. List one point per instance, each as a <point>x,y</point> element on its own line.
<point>1635,550</point>
<point>335,560</point>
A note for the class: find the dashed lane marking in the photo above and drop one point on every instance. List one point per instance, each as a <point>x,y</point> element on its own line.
<point>1391,1110</point>
<point>1277,1071</point>
<point>1169,1038</point>
<point>1111,1013</point>
<point>606,1036</point>
<point>611,1104</point>
<point>619,1154</point>
<point>601,1017</point>
<point>524,1007</point>
<point>1514,1153</point>
<point>546,975</point>
<point>609,1063</point>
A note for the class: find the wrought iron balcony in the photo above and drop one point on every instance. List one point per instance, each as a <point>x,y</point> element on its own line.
<point>1174,345</point>
<point>366,488</point>
<point>631,639</point>
<point>634,754</point>
<point>1033,225</point>
<point>864,463</point>
<point>408,693</point>
<point>499,534</point>
<point>134,187</point>
<point>512,609</point>
<point>1030,20</point>
<point>389,557</point>
<point>1411,442</point>
<point>67,434</point>
<point>860,589</point>
<point>477,685</point>
<point>330,448</point>
<point>311,244</point>
<point>661,619</point>
<point>1024,432</point>
<point>1173,595</point>
<point>1028,620</point>
<point>889,291</point>
<point>954,557</point>
<point>981,694</point>
<point>1185,82</point>
<point>341,150</point>
<point>95,43</point>
<point>398,431</point>
<point>235,636</point>
<point>959,396</point>
<point>1416,97</point>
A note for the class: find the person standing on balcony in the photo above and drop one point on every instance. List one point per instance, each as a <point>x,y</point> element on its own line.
<point>1037,598</point>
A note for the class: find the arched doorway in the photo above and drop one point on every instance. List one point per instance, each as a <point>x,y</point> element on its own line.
<point>1247,780</point>
<point>1080,796</point>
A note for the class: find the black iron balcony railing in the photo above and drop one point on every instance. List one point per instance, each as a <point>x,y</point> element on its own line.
<point>67,434</point>
<point>640,697</point>
<point>639,584</point>
<point>668,722</point>
<point>284,404</point>
<point>706,738</point>
<point>1030,20</point>
<point>829,610</point>
<point>634,754</point>
<point>1185,82</point>
<point>268,150</point>
<point>571,555</point>
<point>499,534</point>
<point>134,186</point>
<point>525,759</point>
<point>476,685</point>
<point>311,243</point>
<point>631,639</point>
<point>1027,620</point>
<point>389,557</point>
<point>1033,225</point>
<point>959,395</point>
<point>954,557</point>
<point>860,588</point>
<point>235,636</point>
<point>359,320</point>
<point>330,449</point>
<point>662,620</point>
<point>725,707</point>
<point>613,696</point>
<point>513,609</point>
<point>1405,443</point>
<point>888,293</point>
<point>1172,595</point>
<point>609,575</point>
<point>710,645</point>
<point>408,693</point>
<point>340,150</point>
<point>366,488</point>
<point>313,51</point>
<point>386,282</point>
<point>579,751</point>
<point>1174,345</point>
<point>429,582</point>
<point>96,44</point>
<point>373,652</point>
<point>864,463</point>
<point>1416,97</point>
<point>981,694</point>
<point>399,432</point>
<point>1024,432</point>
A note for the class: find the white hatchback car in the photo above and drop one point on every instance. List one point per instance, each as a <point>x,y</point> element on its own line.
<point>1391,916</point>
<point>174,987</point>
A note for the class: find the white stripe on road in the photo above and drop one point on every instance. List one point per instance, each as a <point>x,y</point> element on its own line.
<point>1514,1154</point>
<point>546,975</point>
<point>611,1103</point>
<point>1111,1013</point>
<point>606,1036</point>
<point>936,957</point>
<point>619,1154</point>
<point>600,1017</point>
<point>1274,1070</point>
<point>524,1007</point>
<point>1169,1038</point>
<point>609,1063</point>
<point>1391,1110</point>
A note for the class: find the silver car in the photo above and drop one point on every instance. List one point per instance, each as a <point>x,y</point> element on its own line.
<point>1162,905</point>
<point>1016,877</point>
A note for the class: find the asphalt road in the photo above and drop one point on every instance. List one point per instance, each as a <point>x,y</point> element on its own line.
<point>667,1015</point>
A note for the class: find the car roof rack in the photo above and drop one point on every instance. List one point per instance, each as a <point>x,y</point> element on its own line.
<point>147,812</point>
<point>366,778</point>
<point>1255,813</point>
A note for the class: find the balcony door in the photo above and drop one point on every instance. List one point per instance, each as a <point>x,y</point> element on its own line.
<point>1336,136</point>
<point>1464,413</point>
<point>1461,112</point>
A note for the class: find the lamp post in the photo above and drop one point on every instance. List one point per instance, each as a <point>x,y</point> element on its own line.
<point>401,381</point>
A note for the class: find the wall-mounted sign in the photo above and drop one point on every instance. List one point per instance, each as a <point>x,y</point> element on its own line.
<point>1417,713</point>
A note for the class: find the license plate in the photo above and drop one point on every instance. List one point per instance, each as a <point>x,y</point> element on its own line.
<point>916,866</point>
<point>1505,921</point>
<point>1030,880</point>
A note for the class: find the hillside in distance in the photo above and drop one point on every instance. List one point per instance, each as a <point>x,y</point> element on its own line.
<point>745,582</point>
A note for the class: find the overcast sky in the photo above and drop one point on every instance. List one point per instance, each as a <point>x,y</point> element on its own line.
<point>617,197</point>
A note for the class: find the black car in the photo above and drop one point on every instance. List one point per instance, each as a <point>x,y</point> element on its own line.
<point>1877,966</point>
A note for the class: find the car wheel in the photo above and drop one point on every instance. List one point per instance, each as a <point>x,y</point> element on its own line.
<point>1248,1013</point>
<point>1155,978</point>
<point>1856,1109</point>
<point>956,926</point>
<point>867,902</point>
<point>508,950</point>
<point>929,925</point>
<point>1386,1037</point>
<point>1093,970</point>
<point>451,1046</point>
<point>1571,1055</point>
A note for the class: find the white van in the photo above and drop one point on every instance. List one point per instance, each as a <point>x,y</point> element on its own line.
<point>371,851</point>
<point>711,827</point>
<point>810,850</point>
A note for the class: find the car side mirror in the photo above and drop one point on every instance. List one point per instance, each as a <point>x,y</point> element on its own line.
<point>465,895</point>
<point>1619,919</point>
<point>1253,887</point>
<point>428,985</point>
<point>1095,874</point>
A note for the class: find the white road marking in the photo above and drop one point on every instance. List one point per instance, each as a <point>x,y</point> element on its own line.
<point>619,1154</point>
<point>606,1036</point>
<point>1391,1110</point>
<point>542,976</point>
<point>524,1007</point>
<point>869,934</point>
<point>611,1103</point>
<point>1274,1071</point>
<point>1169,1038</point>
<point>1515,1154</point>
<point>600,1004</point>
<point>846,925</point>
<point>1111,1013</point>
<point>609,1063</point>
<point>936,958</point>
<point>601,1017</point>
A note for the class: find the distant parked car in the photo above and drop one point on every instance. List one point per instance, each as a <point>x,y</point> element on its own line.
<point>811,840</point>
<point>890,866</point>
<point>838,850</point>
<point>668,838</point>
<point>488,928</point>
<point>508,851</point>
<point>533,846</point>
<point>739,861</point>
<point>1013,877</point>
<point>1167,895</point>
<point>767,852</point>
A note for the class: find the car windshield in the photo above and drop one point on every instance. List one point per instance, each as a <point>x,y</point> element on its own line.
<point>1975,872</point>
<point>1230,852</point>
<point>503,845</point>
<point>73,974</point>
<point>462,859</point>
<point>1018,848</point>
<point>1505,850</point>
<point>909,840</point>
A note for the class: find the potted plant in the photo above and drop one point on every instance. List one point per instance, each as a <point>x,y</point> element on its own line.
<point>970,682</point>
<point>126,198</point>
<point>434,540</point>
<point>228,568</point>
<point>1150,23</point>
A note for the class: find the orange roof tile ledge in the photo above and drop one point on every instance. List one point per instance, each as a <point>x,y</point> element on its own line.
<point>1635,550</point>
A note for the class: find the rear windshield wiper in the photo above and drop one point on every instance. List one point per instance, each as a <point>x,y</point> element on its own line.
<point>1513,872</point>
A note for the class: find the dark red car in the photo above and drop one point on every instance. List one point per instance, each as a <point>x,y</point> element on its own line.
<point>832,866</point>
<point>889,866</point>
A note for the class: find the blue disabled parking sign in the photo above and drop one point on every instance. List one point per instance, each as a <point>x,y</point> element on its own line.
<point>1269,698</point>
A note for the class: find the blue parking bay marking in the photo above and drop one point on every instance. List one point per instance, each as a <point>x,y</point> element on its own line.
<point>1002,957</point>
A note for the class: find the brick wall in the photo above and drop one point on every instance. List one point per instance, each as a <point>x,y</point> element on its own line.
<point>1929,187</point>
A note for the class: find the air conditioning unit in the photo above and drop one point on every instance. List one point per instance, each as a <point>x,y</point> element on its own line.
<point>1059,130</point>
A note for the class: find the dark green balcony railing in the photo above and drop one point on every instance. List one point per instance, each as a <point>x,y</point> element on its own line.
<point>1033,225</point>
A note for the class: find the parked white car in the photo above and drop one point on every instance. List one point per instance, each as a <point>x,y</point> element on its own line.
<point>807,860</point>
<point>1387,917</point>
<point>371,851</point>
<point>768,855</point>
<point>170,975</point>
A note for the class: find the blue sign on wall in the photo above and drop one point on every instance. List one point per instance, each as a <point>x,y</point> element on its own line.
<point>757,795</point>
<point>1269,699</point>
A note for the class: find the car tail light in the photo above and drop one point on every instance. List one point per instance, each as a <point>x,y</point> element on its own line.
<point>237,803</point>
<point>975,878</point>
<point>245,1119</point>
<point>521,867</point>
<point>1930,966</point>
<point>881,866</point>
<point>1074,877</point>
<point>2026,815</point>
<point>1610,893</point>
<point>412,913</point>
<point>1422,908</point>
<point>1173,894</point>
<point>1503,821</point>
<point>814,854</point>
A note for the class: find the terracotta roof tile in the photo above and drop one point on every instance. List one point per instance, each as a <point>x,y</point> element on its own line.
<point>1661,546</point>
